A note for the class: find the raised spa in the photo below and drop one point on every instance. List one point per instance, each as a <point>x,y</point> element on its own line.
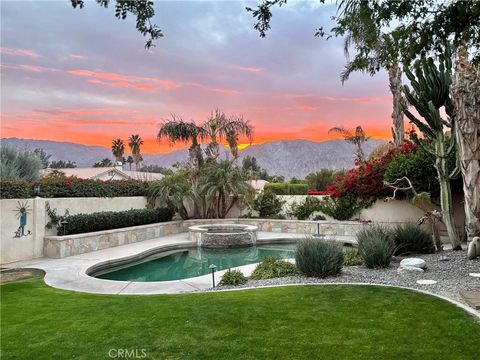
<point>216,236</point>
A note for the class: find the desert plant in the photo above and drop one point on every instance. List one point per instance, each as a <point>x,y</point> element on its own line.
<point>351,257</point>
<point>272,267</point>
<point>19,164</point>
<point>410,237</point>
<point>376,246</point>
<point>233,277</point>
<point>319,258</point>
<point>267,204</point>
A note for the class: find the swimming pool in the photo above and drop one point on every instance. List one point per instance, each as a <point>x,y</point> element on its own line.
<point>188,263</point>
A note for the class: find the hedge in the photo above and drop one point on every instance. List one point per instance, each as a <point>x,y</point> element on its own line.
<point>71,187</point>
<point>298,189</point>
<point>286,188</point>
<point>83,223</point>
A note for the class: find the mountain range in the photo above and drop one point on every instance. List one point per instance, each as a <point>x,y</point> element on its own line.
<point>290,158</point>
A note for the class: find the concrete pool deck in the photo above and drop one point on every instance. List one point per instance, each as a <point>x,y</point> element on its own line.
<point>71,273</point>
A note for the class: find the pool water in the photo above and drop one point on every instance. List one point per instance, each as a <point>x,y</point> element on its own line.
<point>194,262</point>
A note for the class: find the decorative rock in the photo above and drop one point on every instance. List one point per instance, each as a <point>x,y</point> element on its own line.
<point>415,262</point>
<point>426,282</point>
<point>474,248</point>
<point>475,275</point>
<point>409,270</point>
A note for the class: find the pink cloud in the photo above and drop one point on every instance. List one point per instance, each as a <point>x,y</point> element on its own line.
<point>19,52</point>
<point>248,68</point>
<point>76,56</point>
<point>29,68</point>
<point>111,79</point>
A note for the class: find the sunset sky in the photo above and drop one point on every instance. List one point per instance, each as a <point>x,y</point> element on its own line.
<point>84,76</point>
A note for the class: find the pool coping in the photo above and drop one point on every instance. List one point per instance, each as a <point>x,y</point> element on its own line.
<point>72,273</point>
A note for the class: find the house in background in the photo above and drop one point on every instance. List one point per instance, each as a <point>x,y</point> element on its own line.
<point>106,173</point>
<point>258,185</point>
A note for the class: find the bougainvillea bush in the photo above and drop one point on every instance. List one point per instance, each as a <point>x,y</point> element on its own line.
<point>359,187</point>
<point>366,179</point>
<point>71,187</point>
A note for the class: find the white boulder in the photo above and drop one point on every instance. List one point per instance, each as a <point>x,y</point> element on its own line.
<point>409,270</point>
<point>414,262</point>
<point>473,250</point>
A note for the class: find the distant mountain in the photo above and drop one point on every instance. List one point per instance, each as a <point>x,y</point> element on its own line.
<point>286,157</point>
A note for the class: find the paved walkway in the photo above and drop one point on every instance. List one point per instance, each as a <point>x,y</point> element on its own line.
<point>70,273</point>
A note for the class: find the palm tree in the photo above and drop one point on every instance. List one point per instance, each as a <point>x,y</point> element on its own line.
<point>118,149</point>
<point>215,130</point>
<point>135,142</point>
<point>174,190</point>
<point>233,129</point>
<point>223,184</point>
<point>129,162</point>
<point>179,131</point>
<point>357,139</point>
<point>375,51</point>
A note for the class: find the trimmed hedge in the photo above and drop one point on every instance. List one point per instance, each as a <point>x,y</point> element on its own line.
<point>72,187</point>
<point>287,189</point>
<point>84,223</point>
<point>277,188</point>
<point>298,189</point>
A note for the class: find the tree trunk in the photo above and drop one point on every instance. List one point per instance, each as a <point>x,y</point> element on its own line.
<point>446,202</point>
<point>466,99</point>
<point>395,81</point>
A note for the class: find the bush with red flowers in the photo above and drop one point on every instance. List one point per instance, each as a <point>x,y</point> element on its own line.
<point>366,179</point>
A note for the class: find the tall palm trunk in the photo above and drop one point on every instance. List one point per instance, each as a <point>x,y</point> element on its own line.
<point>466,98</point>
<point>446,202</point>
<point>395,81</point>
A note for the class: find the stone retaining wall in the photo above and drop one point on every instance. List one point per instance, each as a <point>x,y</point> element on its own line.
<point>63,246</point>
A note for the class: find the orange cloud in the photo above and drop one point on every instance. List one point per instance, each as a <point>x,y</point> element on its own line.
<point>19,52</point>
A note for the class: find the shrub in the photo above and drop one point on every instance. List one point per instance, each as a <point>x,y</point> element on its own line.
<point>277,188</point>
<point>233,277</point>
<point>60,187</point>
<point>298,189</point>
<point>319,258</point>
<point>272,267</point>
<point>375,245</point>
<point>366,179</point>
<point>351,257</point>
<point>343,207</point>
<point>19,164</point>
<point>304,210</point>
<point>268,204</point>
<point>83,223</point>
<point>319,218</point>
<point>412,238</point>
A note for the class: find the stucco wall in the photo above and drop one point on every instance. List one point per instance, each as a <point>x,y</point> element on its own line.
<point>31,246</point>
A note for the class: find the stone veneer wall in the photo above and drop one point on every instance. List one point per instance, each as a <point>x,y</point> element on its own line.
<point>63,246</point>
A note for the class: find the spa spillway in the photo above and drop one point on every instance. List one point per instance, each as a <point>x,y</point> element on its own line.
<point>223,235</point>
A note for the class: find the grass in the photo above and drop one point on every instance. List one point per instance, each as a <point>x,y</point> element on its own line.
<point>297,322</point>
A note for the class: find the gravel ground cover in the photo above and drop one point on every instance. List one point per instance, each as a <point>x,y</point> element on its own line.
<point>452,276</point>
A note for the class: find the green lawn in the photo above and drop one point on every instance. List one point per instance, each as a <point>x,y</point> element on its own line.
<point>301,322</point>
